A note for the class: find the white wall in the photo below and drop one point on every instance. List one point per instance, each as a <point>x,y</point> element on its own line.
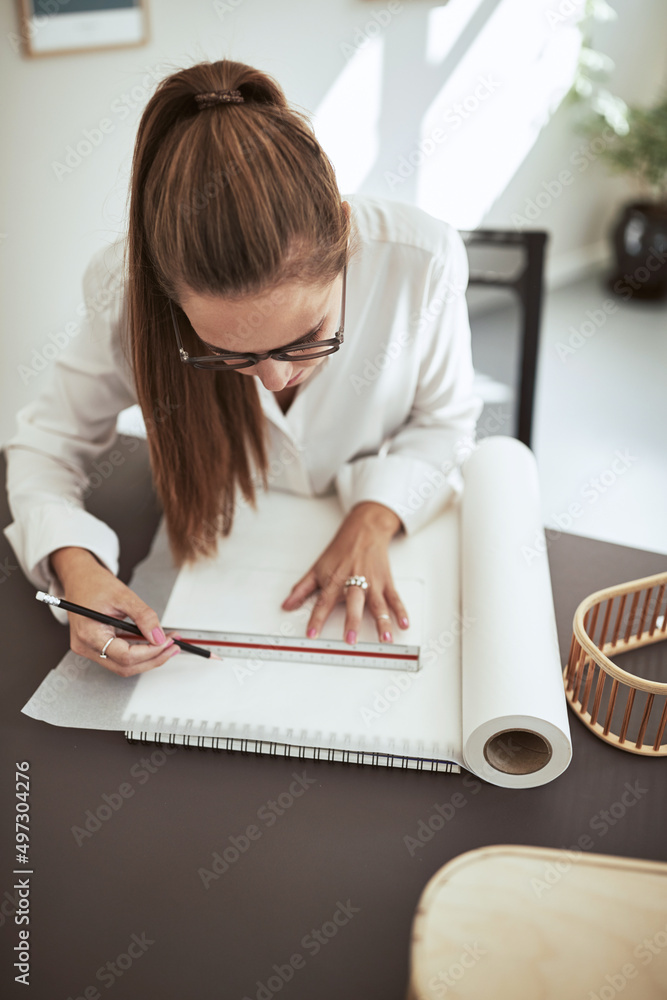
<point>50,226</point>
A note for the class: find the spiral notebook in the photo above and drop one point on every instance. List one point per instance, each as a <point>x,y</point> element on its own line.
<point>341,713</point>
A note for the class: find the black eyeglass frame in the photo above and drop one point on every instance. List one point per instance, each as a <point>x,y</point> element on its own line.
<point>206,362</point>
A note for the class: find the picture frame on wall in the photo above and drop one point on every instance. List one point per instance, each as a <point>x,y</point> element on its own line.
<point>64,27</point>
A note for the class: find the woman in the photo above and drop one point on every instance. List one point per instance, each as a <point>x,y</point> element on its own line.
<point>272,334</point>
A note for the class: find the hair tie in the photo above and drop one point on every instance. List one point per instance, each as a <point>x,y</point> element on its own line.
<point>218,97</point>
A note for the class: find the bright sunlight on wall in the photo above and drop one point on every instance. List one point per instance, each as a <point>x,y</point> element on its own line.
<point>471,83</point>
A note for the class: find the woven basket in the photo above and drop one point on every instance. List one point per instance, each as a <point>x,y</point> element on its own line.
<point>625,709</point>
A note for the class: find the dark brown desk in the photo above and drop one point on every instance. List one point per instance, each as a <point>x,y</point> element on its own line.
<point>324,875</point>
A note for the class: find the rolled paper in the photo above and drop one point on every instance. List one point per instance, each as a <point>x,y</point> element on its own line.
<point>515,727</point>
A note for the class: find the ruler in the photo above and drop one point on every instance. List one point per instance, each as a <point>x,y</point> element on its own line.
<point>385,655</point>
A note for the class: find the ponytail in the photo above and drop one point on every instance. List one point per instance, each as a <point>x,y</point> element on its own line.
<point>227,198</point>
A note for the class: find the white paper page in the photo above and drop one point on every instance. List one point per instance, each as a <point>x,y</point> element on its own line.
<point>249,600</point>
<point>359,708</point>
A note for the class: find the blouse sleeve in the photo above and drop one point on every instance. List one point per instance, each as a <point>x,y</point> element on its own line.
<point>417,471</point>
<point>69,425</point>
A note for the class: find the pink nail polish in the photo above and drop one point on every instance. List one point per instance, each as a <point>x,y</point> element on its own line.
<point>174,651</point>
<point>386,636</point>
<point>351,637</point>
<point>158,636</point>
<point>311,633</point>
<point>404,622</point>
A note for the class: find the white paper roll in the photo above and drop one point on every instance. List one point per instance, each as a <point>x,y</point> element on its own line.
<point>515,726</point>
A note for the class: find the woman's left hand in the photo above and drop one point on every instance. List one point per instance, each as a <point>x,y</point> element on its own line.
<point>359,548</point>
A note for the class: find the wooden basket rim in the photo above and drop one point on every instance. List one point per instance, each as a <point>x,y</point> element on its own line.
<point>603,661</point>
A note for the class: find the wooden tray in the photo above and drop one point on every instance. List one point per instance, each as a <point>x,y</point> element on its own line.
<point>529,923</point>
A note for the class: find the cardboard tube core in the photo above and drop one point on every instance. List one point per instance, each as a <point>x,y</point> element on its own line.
<point>518,751</point>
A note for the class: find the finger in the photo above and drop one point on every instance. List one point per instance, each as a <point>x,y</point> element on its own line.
<point>131,651</point>
<point>322,609</point>
<point>397,606</point>
<point>355,599</point>
<point>142,668</point>
<point>383,620</point>
<point>300,591</point>
<point>90,640</point>
<point>144,617</point>
<point>129,658</point>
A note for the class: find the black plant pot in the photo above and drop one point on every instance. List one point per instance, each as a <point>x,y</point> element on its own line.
<point>640,244</point>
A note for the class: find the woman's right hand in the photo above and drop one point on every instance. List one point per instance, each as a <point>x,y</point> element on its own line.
<point>85,581</point>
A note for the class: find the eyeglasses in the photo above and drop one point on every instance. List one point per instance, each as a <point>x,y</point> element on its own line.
<point>228,361</point>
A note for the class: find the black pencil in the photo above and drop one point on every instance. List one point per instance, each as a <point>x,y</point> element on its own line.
<point>77,609</point>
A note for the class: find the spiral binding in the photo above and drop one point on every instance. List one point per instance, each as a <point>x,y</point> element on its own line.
<point>269,748</point>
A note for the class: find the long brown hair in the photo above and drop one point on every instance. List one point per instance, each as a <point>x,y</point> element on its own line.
<point>228,200</point>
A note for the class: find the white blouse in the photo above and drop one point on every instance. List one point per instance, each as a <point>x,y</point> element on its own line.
<point>389,417</point>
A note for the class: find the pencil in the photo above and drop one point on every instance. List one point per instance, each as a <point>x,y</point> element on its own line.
<point>77,609</point>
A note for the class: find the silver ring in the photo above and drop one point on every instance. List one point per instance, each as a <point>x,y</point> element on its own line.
<point>103,654</point>
<point>356,581</point>
<point>388,617</point>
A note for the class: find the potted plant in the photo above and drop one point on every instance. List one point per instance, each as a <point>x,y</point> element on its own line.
<point>639,234</point>
<point>630,140</point>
